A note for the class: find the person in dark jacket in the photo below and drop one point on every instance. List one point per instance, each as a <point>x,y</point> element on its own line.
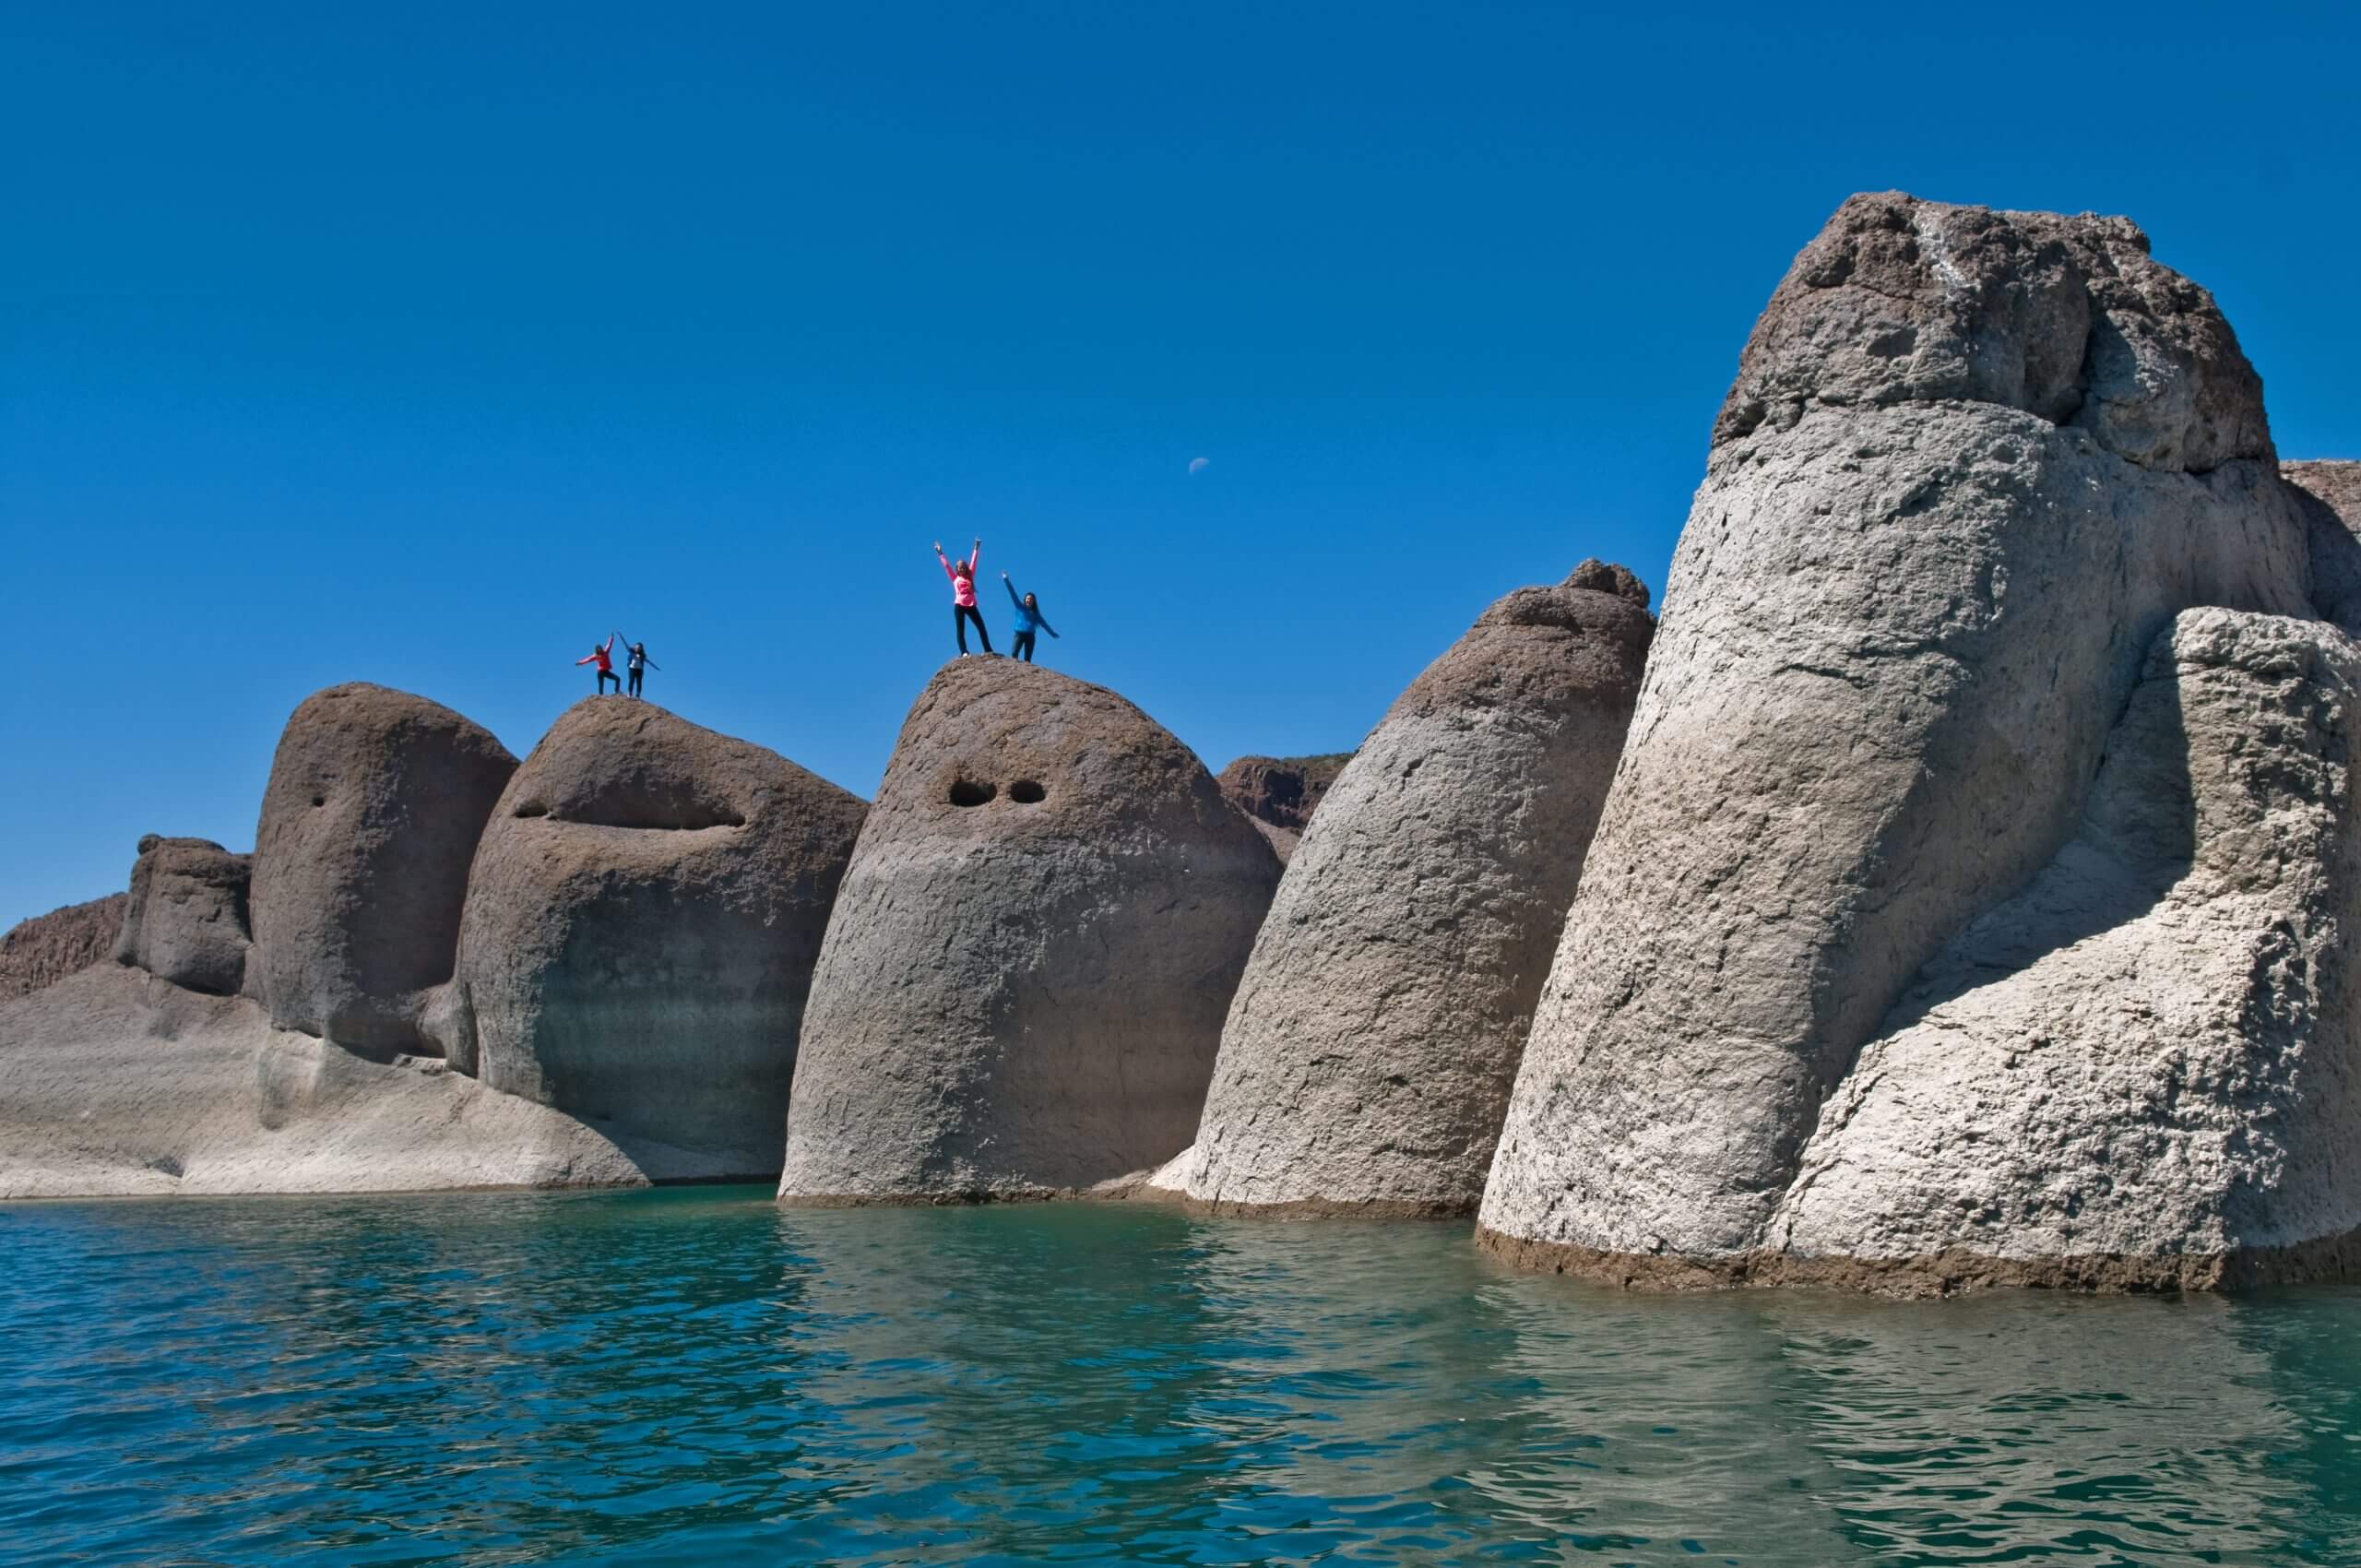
<point>638,661</point>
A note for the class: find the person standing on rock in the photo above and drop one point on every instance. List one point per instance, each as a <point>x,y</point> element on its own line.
<point>598,656</point>
<point>637,663</point>
<point>963,595</point>
<point>1029,615</point>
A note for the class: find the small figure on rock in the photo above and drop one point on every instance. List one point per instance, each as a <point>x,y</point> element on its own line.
<point>963,595</point>
<point>1029,615</point>
<point>598,656</point>
<point>638,664</point>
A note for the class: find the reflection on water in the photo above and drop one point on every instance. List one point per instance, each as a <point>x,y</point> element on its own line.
<point>700,1377</point>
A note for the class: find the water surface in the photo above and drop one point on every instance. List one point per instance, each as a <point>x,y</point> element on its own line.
<point>699,1377</point>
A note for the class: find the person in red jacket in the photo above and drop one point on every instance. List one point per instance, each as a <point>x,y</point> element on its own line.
<point>962,596</point>
<point>598,655</point>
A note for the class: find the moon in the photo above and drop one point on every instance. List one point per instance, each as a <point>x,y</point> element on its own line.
<point>1198,465</point>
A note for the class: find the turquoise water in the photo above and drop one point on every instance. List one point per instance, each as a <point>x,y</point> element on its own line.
<point>698,1377</point>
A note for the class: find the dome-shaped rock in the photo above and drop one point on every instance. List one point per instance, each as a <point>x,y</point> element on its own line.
<point>1974,464</point>
<point>642,922</point>
<point>1022,987</point>
<point>375,801</point>
<point>186,919</point>
<point>1369,1053</point>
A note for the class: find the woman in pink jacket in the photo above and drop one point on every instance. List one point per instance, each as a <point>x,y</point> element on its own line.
<point>963,595</point>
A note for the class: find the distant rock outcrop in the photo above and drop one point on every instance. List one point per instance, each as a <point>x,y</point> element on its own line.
<point>2330,496</point>
<point>1278,794</point>
<point>46,948</point>
<point>375,801</point>
<point>1974,465</point>
<point>642,922</point>
<point>186,919</point>
<point>1369,1053</point>
<point>1022,987</point>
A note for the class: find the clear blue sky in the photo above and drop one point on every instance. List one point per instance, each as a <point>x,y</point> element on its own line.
<point>424,344</point>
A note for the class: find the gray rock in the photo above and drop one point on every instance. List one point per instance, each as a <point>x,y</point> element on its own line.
<point>186,919</point>
<point>375,801</point>
<point>1023,986</point>
<point>39,952</point>
<point>113,1084</point>
<point>2142,1070</point>
<point>2328,493</point>
<point>1368,1056</point>
<point>641,926</point>
<point>1908,605</point>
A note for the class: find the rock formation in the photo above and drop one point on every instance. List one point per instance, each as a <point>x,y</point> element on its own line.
<point>641,926</point>
<point>375,801</point>
<point>1974,465</point>
<point>1278,794</point>
<point>1022,988</point>
<point>113,1082</point>
<point>2330,496</point>
<point>1368,1056</point>
<point>46,948</point>
<point>186,919</point>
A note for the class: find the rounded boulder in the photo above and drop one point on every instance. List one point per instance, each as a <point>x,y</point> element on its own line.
<point>1023,988</point>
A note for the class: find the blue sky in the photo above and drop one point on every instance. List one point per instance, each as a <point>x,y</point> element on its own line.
<point>425,348</point>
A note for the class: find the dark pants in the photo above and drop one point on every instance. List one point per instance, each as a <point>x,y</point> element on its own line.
<point>607,675</point>
<point>635,681</point>
<point>960,615</point>
<point>1022,647</point>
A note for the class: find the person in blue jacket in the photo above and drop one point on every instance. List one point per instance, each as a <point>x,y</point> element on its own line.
<point>1029,615</point>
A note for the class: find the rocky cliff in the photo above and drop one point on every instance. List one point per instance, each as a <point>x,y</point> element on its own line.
<point>1279,794</point>
<point>1023,984</point>
<point>45,949</point>
<point>1974,467</point>
<point>1366,1059</point>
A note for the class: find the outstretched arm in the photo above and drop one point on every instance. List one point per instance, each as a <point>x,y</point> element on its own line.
<point>585,658</point>
<point>1045,621</point>
<point>1012,591</point>
<point>651,663</point>
<point>947,564</point>
<point>975,554</point>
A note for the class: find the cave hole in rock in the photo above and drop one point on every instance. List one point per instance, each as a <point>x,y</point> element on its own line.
<point>533,808</point>
<point>1027,792</point>
<point>968,792</point>
<point>320,800</point>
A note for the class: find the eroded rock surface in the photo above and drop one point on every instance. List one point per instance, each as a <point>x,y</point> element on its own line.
<point>2328,493</point>
<point>375,801</point>
<point>1279,794</point>
<point>43,950</point>
<point>186,919</point>
<point>1974,465</point>
<point>1368,1056</point>
<point>1022,987</point>
<point>642,922</point>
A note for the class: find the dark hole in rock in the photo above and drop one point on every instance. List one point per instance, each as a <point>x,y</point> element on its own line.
<point>968,792</point>
<point>533,808</point>
<point>1027,792</point>
<point>320,800</point>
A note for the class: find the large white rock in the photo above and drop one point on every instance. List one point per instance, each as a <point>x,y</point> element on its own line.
<point>1974,464</point>
<point>1368,1056</point>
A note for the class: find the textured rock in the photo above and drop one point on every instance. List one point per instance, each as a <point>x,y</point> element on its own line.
<point>642,922</point>
<point>115,1084</point>
<point>43,950</point>
<point>1369,1053</point>
<point>1279,793</point>
<point>2142,1068</point>
<point>2330,496</point>
<point>375,801</point>
<point>1916,590</point>
<point>186,919</point>
<point>1022,987</point>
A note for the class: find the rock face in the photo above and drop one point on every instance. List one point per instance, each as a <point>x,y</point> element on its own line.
<point>186,920</point>
<point>1974,465</point>
<point>1369,1053</point>
<point>1022,988</point>
<point>1279,793</point>
<point>641,926</point>
<point>2142,1069</point>
<point>2329,494</point>
<point>375,801</point>
<point>113,1084</point>
<point>43,950</point>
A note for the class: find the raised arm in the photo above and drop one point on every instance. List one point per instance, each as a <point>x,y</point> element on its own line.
<point>1012,591</point>
<point>974,556</point>
<point>611,644</point>
<point>946,561</point>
